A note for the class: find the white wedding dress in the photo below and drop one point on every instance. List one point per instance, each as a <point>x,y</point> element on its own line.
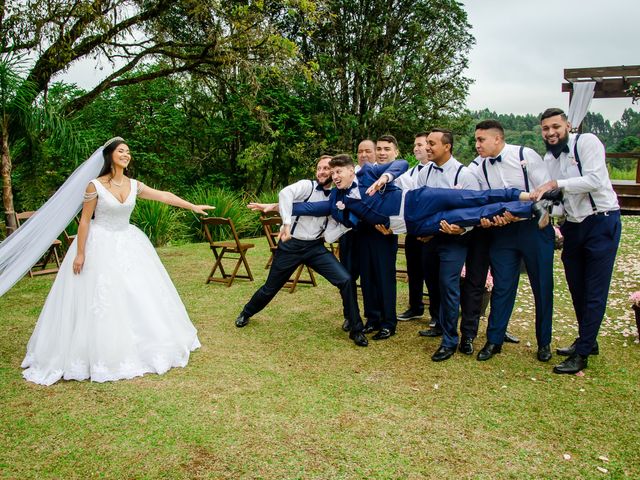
<point>121,317</point>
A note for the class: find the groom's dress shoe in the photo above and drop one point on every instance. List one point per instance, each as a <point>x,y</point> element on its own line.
<point>571,365</point>
<point>510,338</point>
<point>466,346</point>
<point>488,351</point>
<point>431,332</point>
<point>369,328</point>
<point>345,325</point>
<point>359,339</point>
<point>555,195</point>
<point>383,334</point>
<point>540,212</point>
<point>242,320</point>
<point>443,353</point>
<point>568,351</point>
<point>544,353</point>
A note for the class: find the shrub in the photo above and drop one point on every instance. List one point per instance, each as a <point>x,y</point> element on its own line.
<point>162,223</point>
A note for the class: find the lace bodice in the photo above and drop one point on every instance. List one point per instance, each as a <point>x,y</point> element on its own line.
<point>110,213</point>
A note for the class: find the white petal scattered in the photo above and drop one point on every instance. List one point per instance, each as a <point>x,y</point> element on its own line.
<point>602,469</point>
<point>582,389</point>
<point>528,344</point>
<point>603,458</point>
<point>533,379</point>
<point>436,386</point>
<point>566,456</point>
<point>503,386</point>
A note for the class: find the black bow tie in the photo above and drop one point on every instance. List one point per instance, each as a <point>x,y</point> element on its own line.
<point>557,152</point>
<point>496,159</point>
<point>438,168</point>
<point>326,191</point>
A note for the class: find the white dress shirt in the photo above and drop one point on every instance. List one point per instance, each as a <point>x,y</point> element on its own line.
<point>452,174</point>
<point>407,181</point>
<point>594,179</point>
<point>306,227</point>
<point>508,172</point>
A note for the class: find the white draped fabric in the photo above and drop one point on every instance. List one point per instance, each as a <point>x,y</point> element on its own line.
<point>22,249</point>
<point>580,101</point>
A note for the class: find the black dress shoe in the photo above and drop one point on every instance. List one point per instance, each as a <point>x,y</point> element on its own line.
<point>242,320</point>
<point>573,364</point>
<point>510,338</point>
<point>568,351</point>
<point>431,332</point>
<point>368,328</point>
<point>432,323</point>
<point>544,353</point>
<point>359,339</point>
<point>410,314</point>
<point>488,351</point>
<point>345,325</point>
<point>466,346</point>
<point>555,195</point>
<point>540,212</point>
<point>443,353</point>
<point>383,334</point>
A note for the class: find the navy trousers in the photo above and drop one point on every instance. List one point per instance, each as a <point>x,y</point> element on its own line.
<point>425,208</point>
<point>445,256</point>
<point>509,246</point>
<point>473,288</point>
<point>416,271</point>
<point>290,255</point>
<point>588,255</point>
<point>378,276</point>
<point>350,260</point>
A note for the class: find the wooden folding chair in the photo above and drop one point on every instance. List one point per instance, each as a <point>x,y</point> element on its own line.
<point>52,255</point>
<point>271,227</point>
<point>70,237</point>
<point>225,250</point>
<point>401,273</point>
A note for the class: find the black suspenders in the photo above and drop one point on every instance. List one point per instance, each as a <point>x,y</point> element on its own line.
<point>575,154</point>
<point>524,170</point>
<point>326,219</point>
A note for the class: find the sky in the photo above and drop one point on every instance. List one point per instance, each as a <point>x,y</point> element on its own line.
<point>522,48</point>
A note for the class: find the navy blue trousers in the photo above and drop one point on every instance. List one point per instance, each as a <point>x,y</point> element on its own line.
<point>511,245</point>
<point>445,256</point>
<point>588,255</point>
<point>416,271</point>
<point>426,207</point>
<point>290,255</point>
<point>473,288</point>
<point>350,260</point>
<point>378,276</point>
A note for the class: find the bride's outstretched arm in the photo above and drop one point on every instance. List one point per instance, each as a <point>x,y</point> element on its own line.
<point>169,198</point>
<point>88,207</point>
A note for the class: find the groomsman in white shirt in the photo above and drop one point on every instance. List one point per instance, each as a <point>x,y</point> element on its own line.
<point>513,166</point>
<point>301,241</point>
<point>591,231</point>
<point>413,248</point>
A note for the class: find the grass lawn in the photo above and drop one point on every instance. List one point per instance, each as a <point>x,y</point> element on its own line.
<point>289,396</point>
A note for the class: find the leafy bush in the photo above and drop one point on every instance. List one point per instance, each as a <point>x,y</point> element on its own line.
<point>162,223</point>
<point>228,204</point>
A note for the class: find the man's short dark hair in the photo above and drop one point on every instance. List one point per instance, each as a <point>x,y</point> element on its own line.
<point>490,124</point>
<point>421,134</point>
<point>552,112</point>
<point>447,136</point>
<point>388,138</point>
<point>341,160</point>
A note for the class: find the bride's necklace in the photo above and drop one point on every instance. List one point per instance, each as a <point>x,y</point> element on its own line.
<point>116,183</point>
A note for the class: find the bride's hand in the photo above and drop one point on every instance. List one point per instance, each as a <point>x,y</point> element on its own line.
<point>78,262</point>
<point>202,209</point>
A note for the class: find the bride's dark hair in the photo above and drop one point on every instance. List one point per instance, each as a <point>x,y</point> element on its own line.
<point>107,153</point>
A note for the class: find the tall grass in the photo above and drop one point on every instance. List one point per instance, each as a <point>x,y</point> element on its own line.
<point>620,174</point>
<point>228,204</point>
<point>162,223</point>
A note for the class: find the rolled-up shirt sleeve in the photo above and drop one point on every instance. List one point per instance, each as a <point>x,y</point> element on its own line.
<point>594,167</point>
<point>296,192</point>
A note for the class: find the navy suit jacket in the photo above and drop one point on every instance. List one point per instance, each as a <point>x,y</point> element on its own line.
<point>374,209</point>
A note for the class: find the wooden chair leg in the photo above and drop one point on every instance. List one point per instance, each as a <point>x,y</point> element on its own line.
<point>312,276</point>
<point>243,254</point>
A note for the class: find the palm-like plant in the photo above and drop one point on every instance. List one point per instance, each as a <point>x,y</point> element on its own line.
<point>25,122</point>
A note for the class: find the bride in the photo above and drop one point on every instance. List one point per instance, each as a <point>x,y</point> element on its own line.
<point>112,312</point>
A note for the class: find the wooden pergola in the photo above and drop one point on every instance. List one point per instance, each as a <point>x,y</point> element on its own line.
<point>612,82</point>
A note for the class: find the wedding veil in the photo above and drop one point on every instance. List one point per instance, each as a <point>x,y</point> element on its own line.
<point>22,249</point>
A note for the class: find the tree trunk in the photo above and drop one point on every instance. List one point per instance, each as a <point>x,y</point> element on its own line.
<point>7,192</point>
